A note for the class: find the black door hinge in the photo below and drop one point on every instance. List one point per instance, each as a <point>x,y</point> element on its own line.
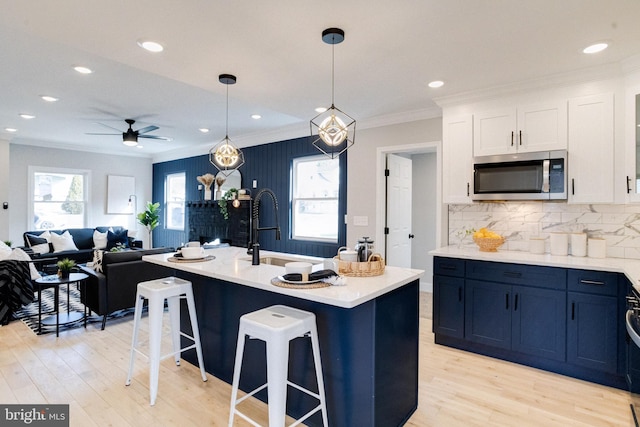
<point>386,172</point>
<point>386,230</point>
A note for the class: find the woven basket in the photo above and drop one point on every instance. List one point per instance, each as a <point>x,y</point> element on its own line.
<point>373,267</point>
<point>488,244</point>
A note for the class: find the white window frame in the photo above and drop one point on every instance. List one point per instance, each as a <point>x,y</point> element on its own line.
<point>86,176</point>
<point>168,203</point>
<point>294,199</point>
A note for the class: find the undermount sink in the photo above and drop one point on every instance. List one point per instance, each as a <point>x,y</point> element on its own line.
<point>279,261</point>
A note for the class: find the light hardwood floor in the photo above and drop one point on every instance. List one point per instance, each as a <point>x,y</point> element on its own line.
<point>87,369</point>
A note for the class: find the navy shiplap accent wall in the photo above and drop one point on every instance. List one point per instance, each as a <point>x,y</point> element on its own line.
<point>270,165</point>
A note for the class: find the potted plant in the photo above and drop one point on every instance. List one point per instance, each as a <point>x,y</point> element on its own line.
<point>230,194</point>
<point>150,218</point>
<point>64,267</point>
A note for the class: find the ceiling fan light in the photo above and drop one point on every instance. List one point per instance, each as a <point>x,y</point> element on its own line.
<point>129,140</point>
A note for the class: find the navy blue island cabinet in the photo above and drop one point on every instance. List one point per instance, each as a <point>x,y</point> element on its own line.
<point>562,320</point>
<point>369,352</point>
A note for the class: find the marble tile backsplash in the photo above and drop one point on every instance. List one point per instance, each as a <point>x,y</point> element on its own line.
<point>619,225</point>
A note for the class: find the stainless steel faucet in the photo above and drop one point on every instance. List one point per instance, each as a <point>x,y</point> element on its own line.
<point>254,247</point>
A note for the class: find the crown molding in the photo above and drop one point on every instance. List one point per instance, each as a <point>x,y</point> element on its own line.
<point>570,78</point>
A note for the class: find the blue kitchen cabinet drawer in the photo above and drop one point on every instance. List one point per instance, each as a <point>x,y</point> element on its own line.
<point>453,267</point>
<point>593,282</point>
<point>517,274</point>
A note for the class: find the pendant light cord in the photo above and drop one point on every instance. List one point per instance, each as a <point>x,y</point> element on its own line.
<point>226,129</point>
<point>333,67</point>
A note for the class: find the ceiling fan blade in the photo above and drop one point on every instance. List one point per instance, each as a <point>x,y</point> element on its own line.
<point>148,129</point>
<point>93,133</point>
<point>164,138</point>
<point>110,127</point>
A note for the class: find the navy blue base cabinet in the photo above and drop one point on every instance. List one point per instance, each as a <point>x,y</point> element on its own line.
<point>369,352</point>
<point>562,320</point>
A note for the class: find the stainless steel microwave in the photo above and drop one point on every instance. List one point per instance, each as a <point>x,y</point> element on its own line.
<point>527,176</point>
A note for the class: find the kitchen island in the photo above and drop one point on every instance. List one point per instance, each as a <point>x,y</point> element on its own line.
<point>368,332</point>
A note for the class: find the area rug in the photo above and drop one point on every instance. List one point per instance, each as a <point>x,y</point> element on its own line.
<point>29,313</point>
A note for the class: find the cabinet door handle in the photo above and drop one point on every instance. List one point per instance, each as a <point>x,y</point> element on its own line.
<point>459,293</point>
<point>520,138</point>
<point>573,186</point>
<point>512,138</point>
<point>515,304</point>
<point>592,282</point>
<point>628,184</point>
<point>450,267</point>
<point>468,190</point>
<point>513,274</point>
<point>573,310</point>
<point>506,301</point>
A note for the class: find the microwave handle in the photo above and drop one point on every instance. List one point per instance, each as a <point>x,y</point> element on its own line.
<point>545,176</point>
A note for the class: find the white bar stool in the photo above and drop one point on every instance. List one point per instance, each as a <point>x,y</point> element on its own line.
<point>156,291</point>
<point>276,326</point>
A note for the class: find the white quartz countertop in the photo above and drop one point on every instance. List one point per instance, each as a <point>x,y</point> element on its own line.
<point>232,264</point>
<point>630,267</point>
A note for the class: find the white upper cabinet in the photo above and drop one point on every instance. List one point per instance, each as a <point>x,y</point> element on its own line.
<point>457,168</point>
<point>524,129</point>
<point>632,144</point>
<point>591,149</point>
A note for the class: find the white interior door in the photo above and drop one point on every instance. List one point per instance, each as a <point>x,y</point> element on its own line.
<point>399,184</point>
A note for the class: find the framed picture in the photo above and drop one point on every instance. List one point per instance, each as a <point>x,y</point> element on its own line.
<point>119,189</point>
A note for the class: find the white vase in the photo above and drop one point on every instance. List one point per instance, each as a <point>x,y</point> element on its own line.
<point>207,194</point>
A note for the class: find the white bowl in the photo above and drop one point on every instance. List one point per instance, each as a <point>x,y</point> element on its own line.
<point>192,252</point>
<point>297,267</point>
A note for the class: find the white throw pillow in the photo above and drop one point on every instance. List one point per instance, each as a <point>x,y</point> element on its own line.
<point>63,242</point>
<point>99,240</point>
<point>20,255</point>
<point>5,251</point>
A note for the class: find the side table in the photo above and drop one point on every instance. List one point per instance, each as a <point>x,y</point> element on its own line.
<point>53,281</point>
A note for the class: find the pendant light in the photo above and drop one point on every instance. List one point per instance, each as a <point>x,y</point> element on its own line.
<point>334,130</point>
<point>225,156</point>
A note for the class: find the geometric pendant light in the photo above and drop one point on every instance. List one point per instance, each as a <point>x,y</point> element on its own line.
<point>334,130</point>
<point>225,156</point>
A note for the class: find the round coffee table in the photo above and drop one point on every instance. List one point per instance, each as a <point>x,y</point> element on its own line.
<point>55,282</point>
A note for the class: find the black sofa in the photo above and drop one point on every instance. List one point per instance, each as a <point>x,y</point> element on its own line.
<point>115,288</point>
<point>83,239</point>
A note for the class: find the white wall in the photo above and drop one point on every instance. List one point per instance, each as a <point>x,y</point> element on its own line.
<point>361,182</point>
<point>101,165</point>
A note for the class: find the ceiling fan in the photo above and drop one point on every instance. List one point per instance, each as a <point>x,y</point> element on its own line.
<point>130,136</point>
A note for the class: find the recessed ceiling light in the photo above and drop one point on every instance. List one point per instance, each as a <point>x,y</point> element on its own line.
<point>49,98</point>
<point>139,146</point>
<point>151,46</point>
<point>595,48</point>
<point>321,109</point>
<point>27,116</point>
<point>11,129</point>
<point>204,130</point>
<point>83,70</point>
<point>256,116</point>
<point>436,83</point>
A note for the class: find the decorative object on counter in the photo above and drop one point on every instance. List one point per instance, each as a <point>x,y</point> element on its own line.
<point>559,244</point>
<point>230,194</point>
<point>302,270</point>
<point>597,248</point>
<point>374,266</point>
<point>206,180</point>
<point>220,179</point>
<point>192,252</point>
<point>364,248</point>
<point>462,235</point>
<point>224,155</point>
<point>537,245</point>
<point>335,129</point>
<point>487,240</point>
<point>150,218</point>
<point>346,254</point>
<point>579,244</point>
<point>180,259</point>
<point>65,265</point>
<point>317,279</point>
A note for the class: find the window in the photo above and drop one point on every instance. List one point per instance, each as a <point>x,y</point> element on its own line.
<point>58,197</point>
<point>314,200</point>
<point>174,200</point>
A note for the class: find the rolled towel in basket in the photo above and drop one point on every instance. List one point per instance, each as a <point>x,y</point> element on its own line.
<point>317,275</point>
